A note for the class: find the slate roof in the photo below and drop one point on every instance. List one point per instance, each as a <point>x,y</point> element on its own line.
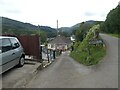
<point>60,40</point>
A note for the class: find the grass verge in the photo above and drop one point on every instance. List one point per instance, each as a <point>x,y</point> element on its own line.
<point>115,35</point>
<point>89,51</point>
<point>83,57</point>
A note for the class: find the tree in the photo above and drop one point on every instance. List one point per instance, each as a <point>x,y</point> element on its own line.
<point>112,22</point>
<point>81,32</point>
<point>42,35</point>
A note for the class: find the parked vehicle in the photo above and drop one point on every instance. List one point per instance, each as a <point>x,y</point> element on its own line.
<point>11,53</point>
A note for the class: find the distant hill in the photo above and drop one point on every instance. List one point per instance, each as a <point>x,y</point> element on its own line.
<point>90,22</point>
<point>69,30</point>
<point>14,25</point>
<point>76,25</point>
<point>51,32</point>
<point>64,29</point>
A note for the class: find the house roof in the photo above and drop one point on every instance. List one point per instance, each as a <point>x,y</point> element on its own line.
<point>60,40</point>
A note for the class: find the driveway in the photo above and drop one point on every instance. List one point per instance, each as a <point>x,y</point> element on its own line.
<point>67,73</point>
<point>17,77</point>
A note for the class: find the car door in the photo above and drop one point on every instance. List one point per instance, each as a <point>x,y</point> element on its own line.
<point>6,54</point>
<point>0,56</point>
<point>17,49</point>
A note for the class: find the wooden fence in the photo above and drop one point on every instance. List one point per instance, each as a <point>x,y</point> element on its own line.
<point>31,45</point>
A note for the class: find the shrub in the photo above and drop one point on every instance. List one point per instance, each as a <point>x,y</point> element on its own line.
<point>86,53</point>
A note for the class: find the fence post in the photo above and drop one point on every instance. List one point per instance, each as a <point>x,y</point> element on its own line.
<point>41,60</point>
<point>54,54</point>
<point>48,56</point>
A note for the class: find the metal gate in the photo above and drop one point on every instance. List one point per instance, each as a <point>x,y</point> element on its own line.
<point>31,45</point>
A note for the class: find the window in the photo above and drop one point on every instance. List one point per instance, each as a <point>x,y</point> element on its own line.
<point>15,43</point>
<point>5,45</point>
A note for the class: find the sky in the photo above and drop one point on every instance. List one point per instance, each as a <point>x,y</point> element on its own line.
<point>46,12</point>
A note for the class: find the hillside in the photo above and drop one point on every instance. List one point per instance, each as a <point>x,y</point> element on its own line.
<point>112,22</point>
<point>70,30</point>
<point>11,26</point>
<point>14,24</point>
<point>51,32</point>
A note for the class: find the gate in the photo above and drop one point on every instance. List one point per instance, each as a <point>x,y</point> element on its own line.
<point>31,45</point>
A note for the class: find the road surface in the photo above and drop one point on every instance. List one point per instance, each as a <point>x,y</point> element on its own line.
<point>67,73</point>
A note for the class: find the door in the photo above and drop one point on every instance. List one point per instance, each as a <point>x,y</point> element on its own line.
<point>17,50</point>
<point>6,54</point>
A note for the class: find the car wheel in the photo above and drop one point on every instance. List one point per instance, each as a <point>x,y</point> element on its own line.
<point>21,61</point>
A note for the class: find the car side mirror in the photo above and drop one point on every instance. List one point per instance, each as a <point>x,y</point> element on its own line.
<point>13,47</point>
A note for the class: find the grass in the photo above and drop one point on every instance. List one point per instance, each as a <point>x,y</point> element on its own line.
<point>83,57</point>
<point>115,35</point>
<point>86,53</point>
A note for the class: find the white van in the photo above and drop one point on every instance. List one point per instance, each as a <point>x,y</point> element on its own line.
<point>11,53</point>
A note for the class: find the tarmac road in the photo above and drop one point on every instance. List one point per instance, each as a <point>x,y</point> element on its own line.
<point>67,73</point>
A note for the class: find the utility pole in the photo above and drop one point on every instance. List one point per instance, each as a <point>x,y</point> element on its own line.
<point>39,29</point>
<point>40,47</point>
<point>39,34</point>
<point>57,28</point>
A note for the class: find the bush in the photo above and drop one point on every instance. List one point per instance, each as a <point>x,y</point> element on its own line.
<point>86,53</point>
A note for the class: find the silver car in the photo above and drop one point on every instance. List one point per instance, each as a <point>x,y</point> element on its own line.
<point>11,53</point>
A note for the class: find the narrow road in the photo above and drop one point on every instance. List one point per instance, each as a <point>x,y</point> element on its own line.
<point>67,73</point>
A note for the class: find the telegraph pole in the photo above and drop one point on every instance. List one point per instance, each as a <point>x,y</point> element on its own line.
<point>57,28</point>
<point>39,29</point>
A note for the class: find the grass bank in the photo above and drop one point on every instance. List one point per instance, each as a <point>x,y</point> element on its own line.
<point>115,35</point>
<point>86,53</point>
<point>95,56</point>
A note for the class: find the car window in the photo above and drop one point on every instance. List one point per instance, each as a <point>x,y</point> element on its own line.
<point>5,45</point>
<point>15,43</point>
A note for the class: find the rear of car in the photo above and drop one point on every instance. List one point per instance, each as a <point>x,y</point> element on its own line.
<point>11,53</point>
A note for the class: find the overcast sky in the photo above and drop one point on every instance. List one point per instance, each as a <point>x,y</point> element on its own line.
<point>46,12</point>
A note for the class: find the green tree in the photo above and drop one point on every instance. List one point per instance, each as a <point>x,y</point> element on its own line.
<point>112,22</point>
<point>82,31</point>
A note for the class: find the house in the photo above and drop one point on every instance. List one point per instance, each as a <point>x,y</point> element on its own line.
<point>72,38</point>
<point>59,43</point>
